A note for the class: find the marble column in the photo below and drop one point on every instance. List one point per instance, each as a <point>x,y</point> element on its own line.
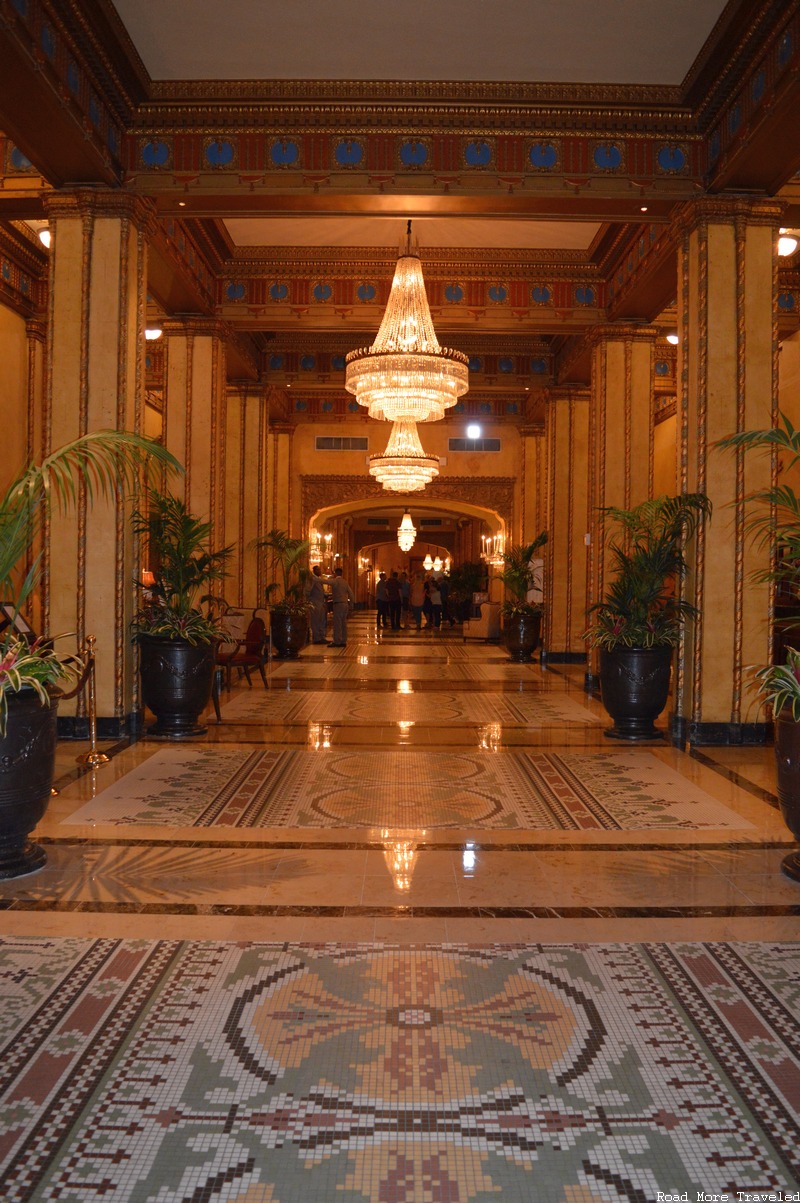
<point>533,482</point>
<point>620,436</point>
<point>95,380</point>
<point>36,330</point>
<point>194,414</point>
<point>281,473</point>
<point>727,372</point>
<point>245,490</point>
<point>567,523</point>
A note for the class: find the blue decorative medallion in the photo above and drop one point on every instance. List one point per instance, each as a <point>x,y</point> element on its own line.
<point>338,364</point>
<point>735,118</point>
<point>366,292</point>
<point>301,406</point>
<point>278,292</point>
<point>477,154</point>
<point>220,154</point>
<point>512,407</point>
<point>148,362</point>
<point>505,365</point>
<point>607,157</point>
<point>785,49</point>
<point>662,368</point>
<point>584,295</point>
<point>454,293</point>
<point>326,407</point>
<point>786,301</point>
<point>24,284</point>
<point>73,77</point>
<point>21,6</point>
<point>475,363</point>
<point>543,156</point>
<point>671,159</point>
<point>48,40</point>
<point>498,293</point>
<point>713,146</point>
<point>539,367</point>
<point>485,407</point>
<point>759,85</point>
<point>322,292</point>
<point>19,161</point>
<point>284,153</point>
<point>459,407</point>
<point>349,153</point>
<point>540,294</point>
<point>5,270</point>
<point>112,138</point>
<point>353,407</point>
<point>413,154</point>
<point>94,109</point>
<point>235,291</point>
<point>308,362</point>
<point>275,362</point>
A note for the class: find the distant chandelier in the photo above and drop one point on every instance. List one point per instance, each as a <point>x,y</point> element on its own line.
<point>404,467</point>
<point>406,533</point>
<point>406,373</point>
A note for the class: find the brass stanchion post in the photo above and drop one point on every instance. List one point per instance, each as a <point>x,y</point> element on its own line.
<point>92,757</point>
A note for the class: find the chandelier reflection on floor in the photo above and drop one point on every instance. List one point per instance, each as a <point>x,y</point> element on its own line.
<point>404,467</point>
<point>405,373</point>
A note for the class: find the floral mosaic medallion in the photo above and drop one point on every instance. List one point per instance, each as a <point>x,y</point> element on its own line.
<point>523,709</point>
<point>214,786</point>
<point>149,1072</point>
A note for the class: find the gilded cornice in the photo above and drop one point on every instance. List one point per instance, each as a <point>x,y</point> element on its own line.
<point>197,326</point>
<point>474,343</point>
<point>727,208</point>
<point>98,202</point>
<point>469,262</point>
<point>621,332</point>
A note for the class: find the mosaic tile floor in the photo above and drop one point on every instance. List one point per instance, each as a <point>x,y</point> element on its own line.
<point>524,976</point>
<point>158,1072</point>
<point>531,710</point>
<point>231,787</point>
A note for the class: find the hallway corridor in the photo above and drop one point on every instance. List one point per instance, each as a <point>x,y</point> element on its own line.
<point>404,927</point>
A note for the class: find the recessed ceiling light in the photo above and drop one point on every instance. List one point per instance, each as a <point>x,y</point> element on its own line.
<point>473,431</point>
<point>643,209</point>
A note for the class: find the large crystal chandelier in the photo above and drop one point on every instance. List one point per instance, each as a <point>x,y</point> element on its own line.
<point>406,533</point>
<point>404,467</point>
<point>406,373</point>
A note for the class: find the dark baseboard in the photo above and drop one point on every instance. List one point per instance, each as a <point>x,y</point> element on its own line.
<point>563,657</point>
<point>726,735</point>
<point>71,727</point>
<point>591,683</point>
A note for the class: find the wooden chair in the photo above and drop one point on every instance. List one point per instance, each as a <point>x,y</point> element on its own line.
<point>249,652</point>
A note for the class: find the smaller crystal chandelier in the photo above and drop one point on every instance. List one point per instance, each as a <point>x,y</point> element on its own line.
<point>406,533</point>
<point>404,467</point>
<point>427,563</point>
<point>437,564</point>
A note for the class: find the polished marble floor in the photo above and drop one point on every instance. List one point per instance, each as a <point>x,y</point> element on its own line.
<point>401,814</point>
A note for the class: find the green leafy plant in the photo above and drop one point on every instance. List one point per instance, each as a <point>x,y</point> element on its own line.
<point>178,545</point>
<point>285,555</point>
<point>100,463</point>
<point>466,579</point>
<point>774,523</point>
<point>641,608</point>
<point>518,577</point>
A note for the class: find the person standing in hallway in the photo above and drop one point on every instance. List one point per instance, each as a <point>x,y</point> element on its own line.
<point>315,596</point>
<point>395,600</point>
<point>436,604</point>
<point>381,602</point>
<point>405,594</point>
<point>417,598</point>
<point>343,602</point>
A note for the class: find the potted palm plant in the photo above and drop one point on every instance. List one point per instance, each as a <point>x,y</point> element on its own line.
<point>465,579</point>
<point>288,608</point>
<point>177,637</point>
<point>638,623</point>
<point>32,672</point>
<point>522,620</point>
<point>774,523</point>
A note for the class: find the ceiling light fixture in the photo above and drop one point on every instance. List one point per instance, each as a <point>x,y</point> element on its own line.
<point>427,563</point>
<point>406,533</point>
<point>152,332</point>
<point>404,467</point>
<point>673,338</point>
<point>405,373</point>
<point>787,243</point>
<point>45,237</point>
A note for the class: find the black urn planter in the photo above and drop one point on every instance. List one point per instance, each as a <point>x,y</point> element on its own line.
<point>521,635</point>
<point>176,683</point>
<point>787,760</point>
<point>634,685</point>
<point>289,633</point>
<point>27,768</point>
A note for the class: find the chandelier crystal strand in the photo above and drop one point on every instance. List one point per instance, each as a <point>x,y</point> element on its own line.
<point>406,533</point>
<point>405,373</point>
<point>404,467</point>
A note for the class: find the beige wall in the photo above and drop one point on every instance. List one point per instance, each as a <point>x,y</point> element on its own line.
<point>665,461</point>
<point>13,393</point>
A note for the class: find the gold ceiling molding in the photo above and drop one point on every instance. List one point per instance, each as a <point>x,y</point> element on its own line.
<point>474,342</point>
<point>348,262</point>
<point>721,208</point>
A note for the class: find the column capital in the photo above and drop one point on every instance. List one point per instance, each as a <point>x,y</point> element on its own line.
<point>726,209</point>
<point>36,329</point>
<point>197,326</point>
<point>561,393</point>
<point>621,332</point>
<point>98,202</point>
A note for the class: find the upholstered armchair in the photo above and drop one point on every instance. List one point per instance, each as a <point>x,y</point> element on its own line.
<point>487,626</point>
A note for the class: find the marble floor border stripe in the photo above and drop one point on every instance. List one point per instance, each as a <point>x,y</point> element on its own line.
<point>402,911</point>
<point>421,846</point>
<point>757,791</point>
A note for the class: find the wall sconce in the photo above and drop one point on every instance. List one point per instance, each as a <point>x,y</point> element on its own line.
<point>151,333</point>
